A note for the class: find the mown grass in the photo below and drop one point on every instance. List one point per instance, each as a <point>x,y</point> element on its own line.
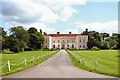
<point>107,61</point>
<point>17,58</point>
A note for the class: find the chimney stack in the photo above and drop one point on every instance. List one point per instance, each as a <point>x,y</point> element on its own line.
<point>86,30</point>
<point>58,32</point>
<point>70,32</point>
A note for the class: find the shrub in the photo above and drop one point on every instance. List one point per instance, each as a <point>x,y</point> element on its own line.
<point>95,48</point>
<point>6,51</point>
<point>28,49</point>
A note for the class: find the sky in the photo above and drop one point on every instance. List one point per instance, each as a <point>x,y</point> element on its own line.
<point>61,16</point>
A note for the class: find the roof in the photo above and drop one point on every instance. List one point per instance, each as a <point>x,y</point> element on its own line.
<point>59,35</point>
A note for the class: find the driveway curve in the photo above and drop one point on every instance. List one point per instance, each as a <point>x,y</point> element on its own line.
<point>58,66</point>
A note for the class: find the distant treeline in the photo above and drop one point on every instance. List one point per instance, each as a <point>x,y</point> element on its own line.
<point>20,39</point>
<point>103,40</point>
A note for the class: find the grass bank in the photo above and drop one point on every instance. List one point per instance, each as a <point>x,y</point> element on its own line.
<point>103,61</point>
<point>17,60</point>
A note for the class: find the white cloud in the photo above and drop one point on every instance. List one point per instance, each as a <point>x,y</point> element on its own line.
<point>37,13</point>
<point>102,0</point>
<point>38,26</point>
<point>66,13</point>
<point>41,10</point>
<point>42,26</point>
<point>109,27</point>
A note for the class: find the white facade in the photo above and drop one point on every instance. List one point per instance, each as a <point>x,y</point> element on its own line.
<point>73,41</point>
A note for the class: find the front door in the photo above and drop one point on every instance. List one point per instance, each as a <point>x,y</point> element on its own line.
<point>63,46</point>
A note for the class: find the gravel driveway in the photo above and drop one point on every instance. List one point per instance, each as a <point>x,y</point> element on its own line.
<point>58,66</point>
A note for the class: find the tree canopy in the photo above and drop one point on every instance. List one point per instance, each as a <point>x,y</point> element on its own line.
<point>21,39</point>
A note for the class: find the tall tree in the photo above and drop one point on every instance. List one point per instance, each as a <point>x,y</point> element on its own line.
<point>113,41</point>
<point>13,43</point>
<point>3,35</point>
<point>20,38</point>
<point>94,39</point>
<point>103,35</point>
<point>36,40</point>
<point>41,31</point>
<point>118,41</point>
<point>32,30</point>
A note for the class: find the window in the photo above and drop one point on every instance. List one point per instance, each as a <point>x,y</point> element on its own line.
<point>63,41</point>
<point>58,41</point>
<point>84,40</point>
<point>54,41</point>
<point>72,45</point>
<point>83,46</point>
<point>67,41</point>
<point>80,46</point>
<point>73,41</point>
<point>58,46</point>
<point>54,46</point>
<point>68,46</point>
<point>80,40</point>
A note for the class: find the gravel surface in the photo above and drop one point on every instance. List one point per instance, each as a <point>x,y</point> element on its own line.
<point>58,66</point>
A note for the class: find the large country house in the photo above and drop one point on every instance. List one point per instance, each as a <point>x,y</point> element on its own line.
<point>72,41</point>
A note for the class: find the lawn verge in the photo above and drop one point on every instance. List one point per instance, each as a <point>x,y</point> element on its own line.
<point>90,66</point>
<point>21,67</point>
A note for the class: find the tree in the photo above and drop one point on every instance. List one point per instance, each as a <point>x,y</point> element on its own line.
<point>118,41</point>
<point>94,39</point>
<point>20,33</point>
<point>41,31</point>
<point>3,35</point>
<point>103,35</point>
<point>12,43</point>
<point>36,40</point>
<point>32,30</point>
<point>104,45</point>
<point>112,42</point>
<point>19,37</point>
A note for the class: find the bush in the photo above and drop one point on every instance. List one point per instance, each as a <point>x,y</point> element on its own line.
<point>28,49</point>
<point>95,48</point>
<point>6,51</point>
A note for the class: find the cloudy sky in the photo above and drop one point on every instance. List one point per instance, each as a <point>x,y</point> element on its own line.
<point>61,15</point>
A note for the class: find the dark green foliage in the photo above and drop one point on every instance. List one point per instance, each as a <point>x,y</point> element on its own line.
<point>104,45</point>
<point>118,42</point>
<point>32,30</point>
<point>3,35</point>
<point>113,41</point>
<point>12,43</point>
<point>99,40</point>
<point>36,40</point>
<point>20,33</point>
<point>20,39</point>
<point>40,31</point>
<point>103,35</point>
<point>94,39</point>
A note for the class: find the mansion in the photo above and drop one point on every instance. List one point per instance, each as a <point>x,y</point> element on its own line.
<point>63,41</point>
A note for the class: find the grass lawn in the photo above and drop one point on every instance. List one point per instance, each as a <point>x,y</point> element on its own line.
<point>16,60</point>
<point>103,61</point>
